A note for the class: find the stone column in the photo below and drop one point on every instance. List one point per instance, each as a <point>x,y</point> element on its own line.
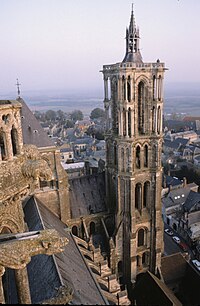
<point>106,88</point>
<point>119,123</point>
<point>156,119</point>
<point>22,283</point>
<point>2,298</point>
<point>132,123</point>
<point>8,143</point>
<point>125,89</point>
<point>122,123</point>
<point>161,120</point>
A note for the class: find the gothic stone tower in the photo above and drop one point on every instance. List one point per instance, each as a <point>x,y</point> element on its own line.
<point>134,106</point>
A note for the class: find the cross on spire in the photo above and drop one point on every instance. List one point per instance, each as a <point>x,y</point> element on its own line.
<point>18,89</point>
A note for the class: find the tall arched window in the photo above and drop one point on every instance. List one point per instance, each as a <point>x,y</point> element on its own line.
<point>124,122</point>
<point>92,228</point>
<point>141,237</point>
<point>123,88</point>
<point>3,153</point>
<point>146,156</point>
<point>75,230</point>
<point>154,87</point>
<point>114,105</point>
<point>159,120</point>
<point>115,154</point>
<point>146,194</point>
<point>129,89</point>
<point>129,122</point>
<point>14,139</point>
<point>138,196</point>
<point>141,107</point>
<point>159,87</point>
<point>137,159</point>
<point>153,119</point>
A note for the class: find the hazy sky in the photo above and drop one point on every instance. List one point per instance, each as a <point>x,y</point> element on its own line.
<point>63,44</point>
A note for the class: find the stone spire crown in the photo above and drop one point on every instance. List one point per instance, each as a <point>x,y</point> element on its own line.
<point>132,42</point>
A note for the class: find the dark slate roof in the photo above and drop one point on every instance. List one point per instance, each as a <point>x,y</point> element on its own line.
<point>176,144</point>
<point>86,140</point>
<point>87,195</point>
<point>176,197</point>
<point>32,131</point>
<point>63,150</point>
<point>173,181</point>
<point>192,199</point>
<point>68,268</point>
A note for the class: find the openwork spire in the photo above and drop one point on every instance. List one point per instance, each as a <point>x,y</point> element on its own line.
<point>132,42</point>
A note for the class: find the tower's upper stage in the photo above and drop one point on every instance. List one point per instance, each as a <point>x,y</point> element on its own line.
<point>113,68</point>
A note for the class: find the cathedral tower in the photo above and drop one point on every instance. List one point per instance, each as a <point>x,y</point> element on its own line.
<point>134,107</point>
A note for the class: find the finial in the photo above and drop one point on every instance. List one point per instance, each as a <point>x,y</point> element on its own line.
<point>18,89</point>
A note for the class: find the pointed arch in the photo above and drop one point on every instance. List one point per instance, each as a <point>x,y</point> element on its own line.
<point>146,155</point>
<point>141,98</point>
<point>159,120</point>
<point>137,158</point>
<point>75,230</point>
<point>92,228</point>
<point>153,119</point>
<point>141,237</point>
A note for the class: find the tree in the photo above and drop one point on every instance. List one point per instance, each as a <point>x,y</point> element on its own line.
<point>97,113</point>
<point>69,124</point>
<point>76,115</point>
<point>60,115</point>
<point>50,115</point>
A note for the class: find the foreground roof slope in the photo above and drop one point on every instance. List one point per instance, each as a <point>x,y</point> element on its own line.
<point>32,130</point>
<point>69,267</point>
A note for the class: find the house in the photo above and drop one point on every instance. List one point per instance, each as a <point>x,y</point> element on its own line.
<point>196,160</point>
<point>190,152</point>
<point>66,153</point>
<point>174,146</point>
<point>189,223</point>
<point>172,204</point>
<point>191,135</point>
